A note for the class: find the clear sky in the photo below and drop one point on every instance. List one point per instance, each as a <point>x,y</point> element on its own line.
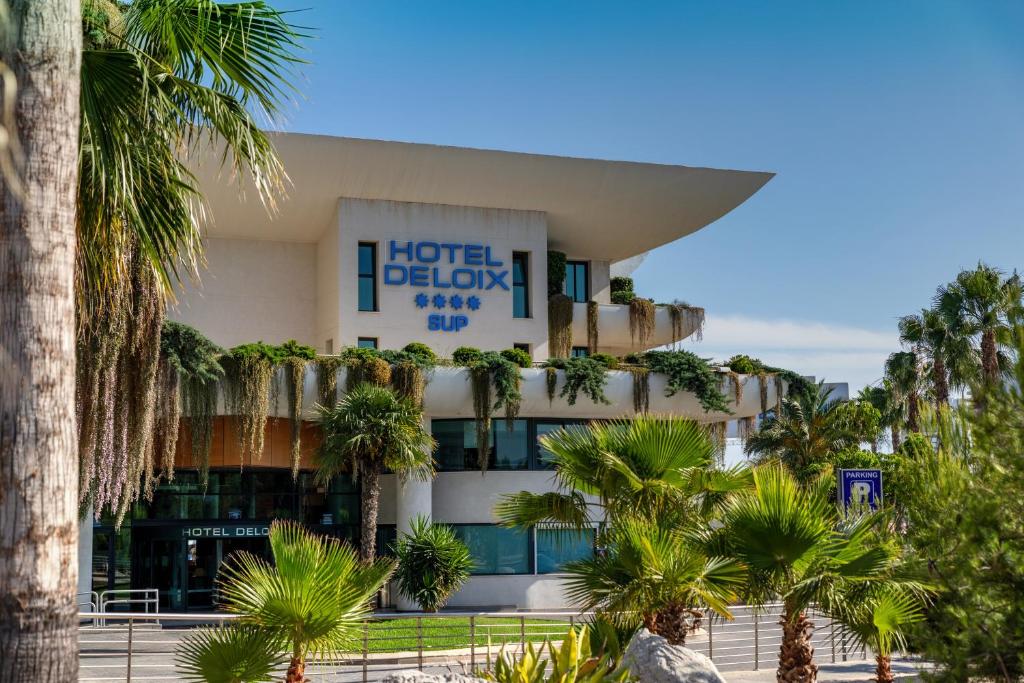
<point>896,130</point>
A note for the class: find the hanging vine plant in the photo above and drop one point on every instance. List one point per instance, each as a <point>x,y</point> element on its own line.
<point>492,375</point>
<point>685,371</point>
<point>682,317</point>
<point>641,388</point>
<point>737,386</point>
<point>584,375</point>
<point>745,426</point>
<point>593,315</point>
<point>294,357</point>
<point>717,430</point>
<point>551,382</point>
<point>248,373</point>
<point>365,366</point>
<point>409,382</point>
<point>641,321</point>
<point>762,385</point>
<point>327,378</point>
<point>560,325</point>
<point>556,272</point>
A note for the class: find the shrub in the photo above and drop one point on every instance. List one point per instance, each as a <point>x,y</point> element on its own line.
<point>581,374</point>
<point>517,356</point>
<point>574,661</point>
<point>685,371</point>
<point>744,365</point>
<point>606,359</point>
<point>621,284</point>
<point>293,349</point>
<point>357,354</point>
<point>623,298</point>
<point>421,352</point>
<point>466,355</point>
<point>556,272</point>
<point>432,564</point>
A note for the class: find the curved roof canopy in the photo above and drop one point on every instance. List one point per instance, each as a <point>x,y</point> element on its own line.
<point>596,209</point>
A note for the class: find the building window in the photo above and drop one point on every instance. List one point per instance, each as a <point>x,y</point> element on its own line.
<point>579,352</point>
<point>577,281</point>
<point>367,276</point>
<point>558,547</point>
<point>495,549</point>
<point>520,285</point>
<point>542,457</point>
<point>457,449</point>
<point>367,342</point>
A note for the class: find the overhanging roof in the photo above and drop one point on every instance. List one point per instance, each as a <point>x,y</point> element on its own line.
<point>596,209</point>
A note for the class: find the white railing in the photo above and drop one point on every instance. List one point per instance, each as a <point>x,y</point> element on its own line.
<point>128,646</point>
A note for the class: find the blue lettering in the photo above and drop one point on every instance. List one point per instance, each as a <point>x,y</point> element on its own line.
<point>419,276</point>
<point>438,283</point>
<point>395,275</point>
<point>474,254</point>
<point>450,248</point>
<point>394,250</point>
<point>434,322</point>
<point>460,322</point>
<point>488,261</point>
<point>459,280</point>
<point>497,278</point>
<point>424,246</point>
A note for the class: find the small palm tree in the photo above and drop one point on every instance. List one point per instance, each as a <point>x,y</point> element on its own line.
<point>660,574</point>
<point>798,549</point>
<point>432,564</point>
<point>311,601</point>
<point>810,428</point>
<point>370,430</point>
<point>879,620</point>
<point>235,654</point>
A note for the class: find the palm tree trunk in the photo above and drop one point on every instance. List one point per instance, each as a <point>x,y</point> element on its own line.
<point>796,656</point>
<point>296,671</point>
<point>370,503</point>
<point>989,357</point>
<point>38,464</point>
<point>941,381</point>
<point>913,414</point>
<point>894,435</point>
<point>883,670</point>
<point>674,622</point>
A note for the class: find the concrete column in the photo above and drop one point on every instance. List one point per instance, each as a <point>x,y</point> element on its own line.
<point>414,498</point>
<point>85,557</point>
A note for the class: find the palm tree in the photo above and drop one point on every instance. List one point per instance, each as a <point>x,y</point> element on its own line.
<point>660,574</point>
<point>311,601</point>
<point>892,411</point>
<point>651,467</point>
<point>40,50</point>
<point>811,427</point>
<point>952,356</point>
<point>433,563</point>
<point>879,619</point>
<point>982,302</point>
<point>798,549</point>
<point>161,81</point>
<point>370,430</point>
<point>236,654</point>
<point>907,385</point>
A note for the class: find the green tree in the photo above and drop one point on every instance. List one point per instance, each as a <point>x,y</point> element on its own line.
<point>892,412</point>
<point>432,564</point>
<point>950,353</point>
<point>907,387</point>
<point>311,601</point>
<point>982,303</point>
<point>811,428</point>
<point>798,549</point>
<point>366,432</point>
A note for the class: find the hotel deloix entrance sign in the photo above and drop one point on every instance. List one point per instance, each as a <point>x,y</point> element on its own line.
<point>457,274</point>
<point>237,531</point>
<point>860,487</point>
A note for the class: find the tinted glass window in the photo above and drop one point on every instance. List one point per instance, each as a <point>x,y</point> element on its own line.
<point>580,352</point>
<point>367,276</point>
<point>496,550</point>
<point>512,449</point>
<point>557,547</point>
<point>456,445</point>
<point>577,281</point>
<point>520,286</point>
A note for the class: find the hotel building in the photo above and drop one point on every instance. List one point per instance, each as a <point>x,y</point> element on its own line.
<point>382,244</point>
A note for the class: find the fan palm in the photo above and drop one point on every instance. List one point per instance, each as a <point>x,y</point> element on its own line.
<point>879,620</point>
<point>810,428</point>
<point>311,601</point>
<point>982,302</point>
<point>651,467</point>
<point>952,356</point>
<point>797,548</point>
<point>235,654</point>
<point>660,574</point>
<point>369,430</point>
<point>907,385</point>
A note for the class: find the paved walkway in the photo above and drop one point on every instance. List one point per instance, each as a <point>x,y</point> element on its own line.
<point>833,673</point>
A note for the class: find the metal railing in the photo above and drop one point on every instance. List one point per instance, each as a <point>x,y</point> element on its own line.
<point>126,646</point>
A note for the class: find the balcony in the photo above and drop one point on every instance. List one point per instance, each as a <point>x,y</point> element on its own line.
<point>613,335</point>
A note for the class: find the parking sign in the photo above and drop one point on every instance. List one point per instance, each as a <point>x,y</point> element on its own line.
<point>860,487</point>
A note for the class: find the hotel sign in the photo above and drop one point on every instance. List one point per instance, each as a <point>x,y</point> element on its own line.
<point>456,272</point>
<point>246,531</point>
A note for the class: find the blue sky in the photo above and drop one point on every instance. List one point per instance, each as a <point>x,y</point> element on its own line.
<point>896,131</point>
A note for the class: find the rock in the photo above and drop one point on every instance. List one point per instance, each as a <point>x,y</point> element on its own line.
<point>651,659</point>
<point>420,677</point>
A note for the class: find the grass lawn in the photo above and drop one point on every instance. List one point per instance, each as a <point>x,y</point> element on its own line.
<point>449,633</point>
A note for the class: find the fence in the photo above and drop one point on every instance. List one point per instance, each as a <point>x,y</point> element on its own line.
<point>134,646</point>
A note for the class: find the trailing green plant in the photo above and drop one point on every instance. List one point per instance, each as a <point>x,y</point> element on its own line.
<point>560,325</point>
<point>685,371</point>
<point>745,365</point>
<point>574,661</point>
<point>683,316</point>
<point>593,319</point>
<point>518,356</point>
<point>606,359</point>
<point>492,375</point>
<point>641,321</point>
<point>737,385</point>
<point>717,430</point>
<point>641,388</point>
<point>584,375</point>
<point>408,381</point>
<point>551,382</point>
<point>199,406</point>
<point>365,366</point>
<point>295,378</point>
<point>556,273</point>
<point>433,563</point>
<point>327,378</point>
<point>248,372</point>
<point>466,355</point>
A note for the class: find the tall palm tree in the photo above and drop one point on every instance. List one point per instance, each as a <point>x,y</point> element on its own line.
<point>40,50</point>
<point>654,467</point>
<point>982,302</point>
<point>311,601</point>
<point>663,575</point>
<point>811,427</point>
<point>370,430</point>
<point>907,384</point>
<point>162,81</point>
<point>799,550</point>
<point>952,356</point>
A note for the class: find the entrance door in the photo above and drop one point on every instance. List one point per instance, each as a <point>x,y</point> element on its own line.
<point>202,559</point>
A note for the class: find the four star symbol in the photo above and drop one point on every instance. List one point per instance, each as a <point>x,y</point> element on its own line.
<point>421,300</point>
